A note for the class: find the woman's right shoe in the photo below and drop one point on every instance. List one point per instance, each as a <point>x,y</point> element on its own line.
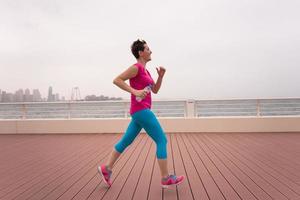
<point>105,173</point>
<point>171,180</point>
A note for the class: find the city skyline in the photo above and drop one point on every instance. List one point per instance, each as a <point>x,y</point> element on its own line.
<point>28,95</point>
<point>34,95</point>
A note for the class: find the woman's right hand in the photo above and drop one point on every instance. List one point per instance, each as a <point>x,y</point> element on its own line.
<point>140,93</point>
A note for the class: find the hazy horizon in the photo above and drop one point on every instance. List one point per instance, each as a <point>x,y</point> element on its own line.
<point>211,49</point>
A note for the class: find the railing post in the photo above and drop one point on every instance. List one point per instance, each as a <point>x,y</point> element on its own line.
<point>190,108</point>
<point>69,109</point>
<point>258,108</point>
<point>24,111</point>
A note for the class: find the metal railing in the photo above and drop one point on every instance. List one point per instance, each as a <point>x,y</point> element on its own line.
<point>163,108</point>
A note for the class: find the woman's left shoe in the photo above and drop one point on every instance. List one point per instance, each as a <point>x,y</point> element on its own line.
<point>171,180</point>
<point>105,173</point>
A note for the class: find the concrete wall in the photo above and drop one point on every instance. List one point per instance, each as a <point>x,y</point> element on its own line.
<point>233,124</point>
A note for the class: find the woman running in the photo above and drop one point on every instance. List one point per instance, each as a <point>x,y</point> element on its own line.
<point>141,85</point>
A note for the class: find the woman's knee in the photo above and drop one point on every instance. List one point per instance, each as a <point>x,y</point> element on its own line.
<point>161,150</point>
<point>122,145</point>
<point>162,139</point>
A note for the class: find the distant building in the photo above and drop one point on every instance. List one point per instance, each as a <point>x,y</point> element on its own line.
<point>36,95</point>
<point>51,97</point>
<point>75,96</point>
<point>25,96</point>
<point>2,96</point>
<point>28,97</point>
<point>91,98</point>
<point>100,98</point>
<point>19,95</point>
<point>7,97</point>
<point>56,97</point>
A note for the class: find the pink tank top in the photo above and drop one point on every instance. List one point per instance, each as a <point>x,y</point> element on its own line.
<point>139,82</point>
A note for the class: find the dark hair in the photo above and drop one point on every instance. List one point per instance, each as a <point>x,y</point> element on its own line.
<point>137,46</point>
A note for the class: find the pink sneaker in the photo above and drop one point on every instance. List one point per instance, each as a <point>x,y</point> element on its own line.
<point>171,180</point>
<point>106,174</point>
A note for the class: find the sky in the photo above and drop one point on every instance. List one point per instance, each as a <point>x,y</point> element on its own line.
<point>214,49</point>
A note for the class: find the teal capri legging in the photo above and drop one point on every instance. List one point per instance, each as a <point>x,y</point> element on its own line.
<point>147,120</point>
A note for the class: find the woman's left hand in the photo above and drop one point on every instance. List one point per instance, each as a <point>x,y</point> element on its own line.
<point>161,71</point>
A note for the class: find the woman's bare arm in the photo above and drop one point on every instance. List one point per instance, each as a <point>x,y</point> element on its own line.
<point>161,72</point>
<point>119,81</point>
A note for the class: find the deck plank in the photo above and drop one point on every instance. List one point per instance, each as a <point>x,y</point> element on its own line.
<point>184,190</point>
<point>216,166</point>
<point>258,192</point>
<point>196,184</point>
<point>89,172</point>
<point>155,191</point>
<point>88,164</point>
<point>51,179</point>
<point>101,189</point>
<point>19,162</point>
<point>226,189</point>
<point>34,171</point>
<point>245,165</point>
<point>133,179</point>
<point>230,177</point>
<point>120,181</point>
<point>142,188</point>
<point>281,160</point>
<point>210,184</point>
<point>170,194</point>
<point>288,187</point>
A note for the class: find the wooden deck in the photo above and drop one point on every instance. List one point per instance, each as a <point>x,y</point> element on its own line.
<point>217,166</point>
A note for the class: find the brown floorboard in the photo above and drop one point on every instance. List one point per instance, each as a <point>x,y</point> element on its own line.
<point>217,166</point>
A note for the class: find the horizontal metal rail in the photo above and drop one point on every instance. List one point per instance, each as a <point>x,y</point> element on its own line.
<point>162,108</point>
